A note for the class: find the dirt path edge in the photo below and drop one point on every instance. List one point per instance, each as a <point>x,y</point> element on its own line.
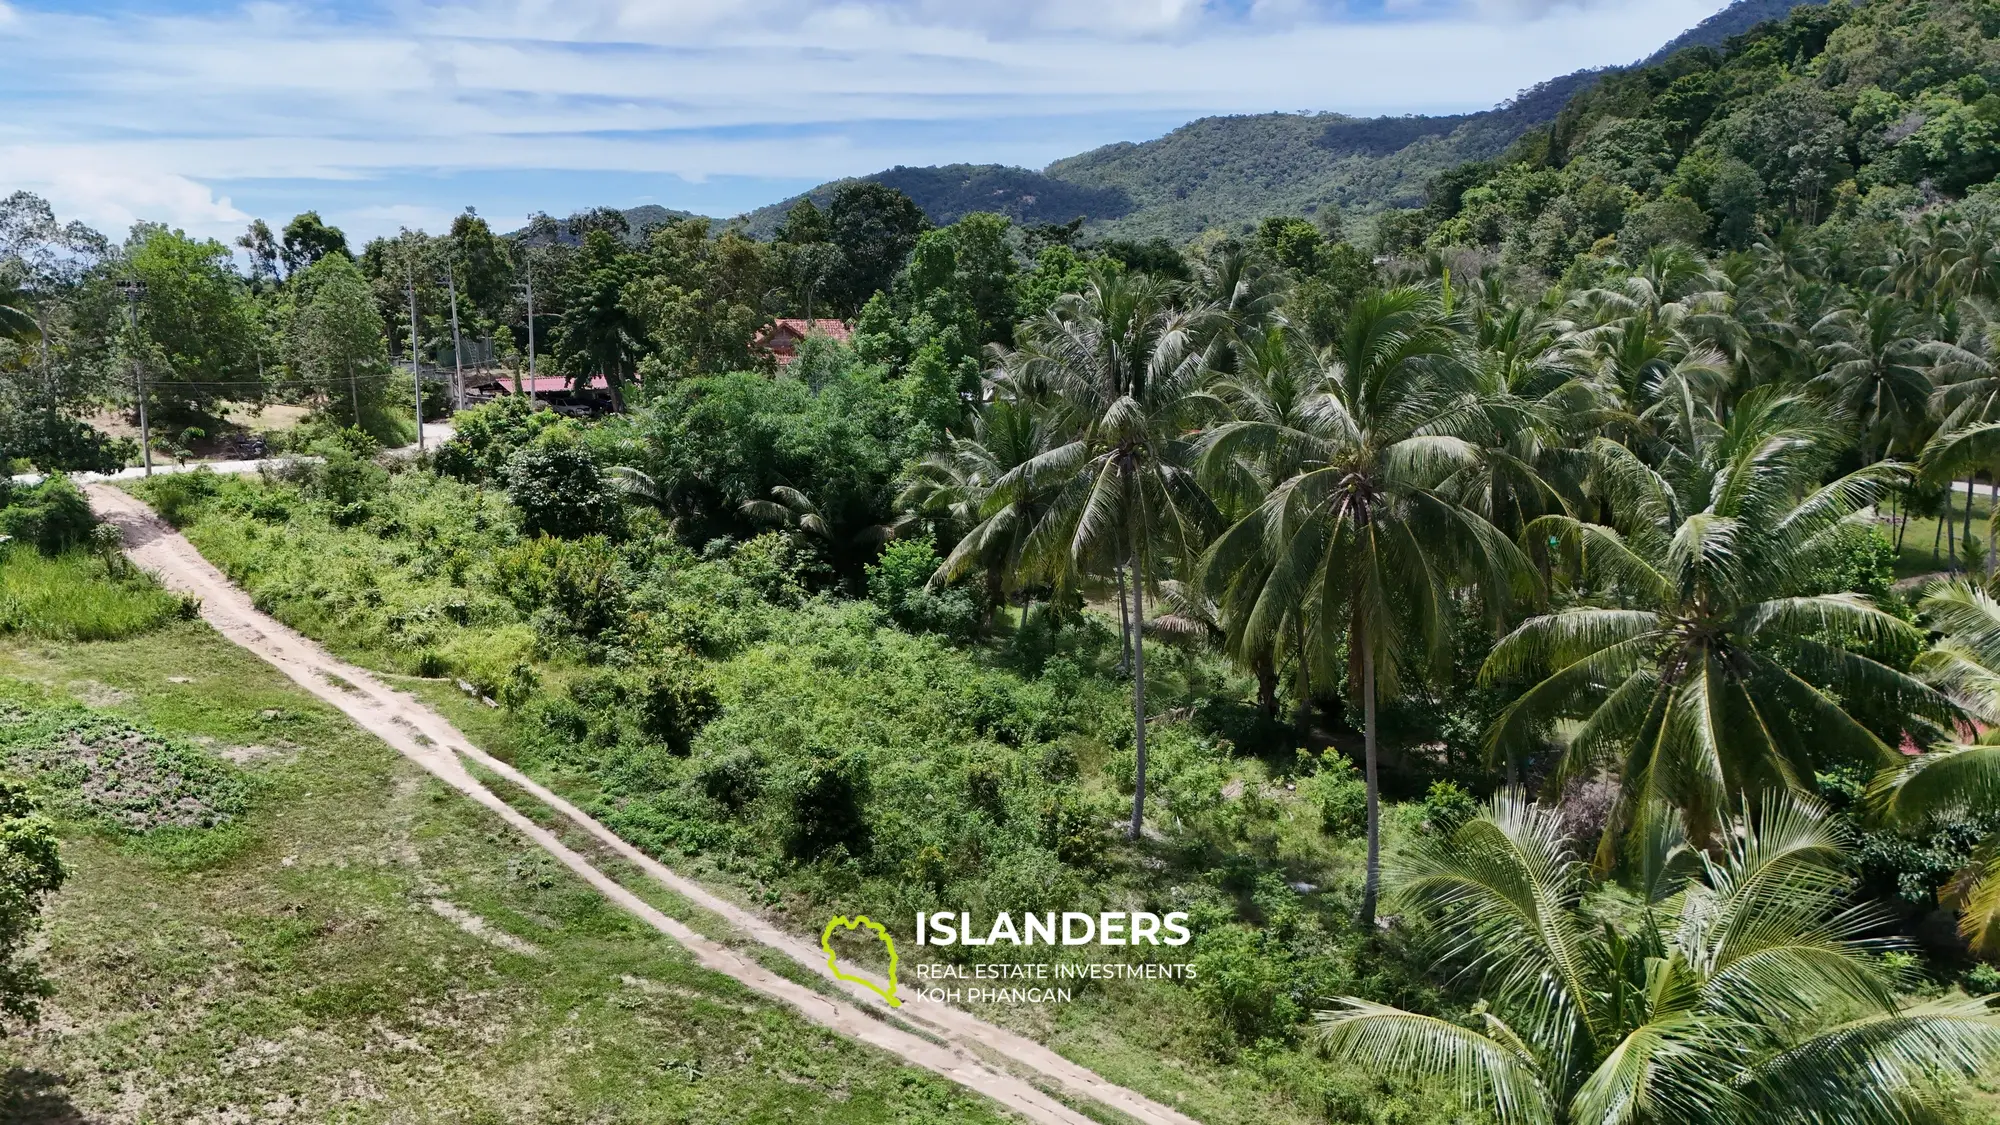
<point>428,739</point>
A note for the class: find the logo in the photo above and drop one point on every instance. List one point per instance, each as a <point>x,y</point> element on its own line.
<point>833,959</point>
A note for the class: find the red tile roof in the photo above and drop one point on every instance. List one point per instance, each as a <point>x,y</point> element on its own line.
<point>782,338</point>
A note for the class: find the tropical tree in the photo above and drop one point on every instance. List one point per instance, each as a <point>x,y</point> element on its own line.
<point>958,491</point>
<point>1362,542</point>
<point>1699,653</point>
<point>1116,367</point>
<point>1878,370</point>
<point>1960,779</point>
<point>1741,988</point>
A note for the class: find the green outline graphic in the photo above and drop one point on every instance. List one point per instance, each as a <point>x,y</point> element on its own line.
<point>832,959</point>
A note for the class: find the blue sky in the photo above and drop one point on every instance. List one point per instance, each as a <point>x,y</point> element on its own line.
<point>389,113</point>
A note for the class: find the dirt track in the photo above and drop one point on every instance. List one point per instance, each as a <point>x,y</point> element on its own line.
<point>1006,1067</point>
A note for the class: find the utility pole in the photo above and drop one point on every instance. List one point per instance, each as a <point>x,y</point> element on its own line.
<point>416,376</point>
<point>457,348</point>
<point>530,254</point>
<point>134,291</point>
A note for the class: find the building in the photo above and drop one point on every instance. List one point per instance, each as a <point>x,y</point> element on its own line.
<point>782,339</point>
<point>555,390</point>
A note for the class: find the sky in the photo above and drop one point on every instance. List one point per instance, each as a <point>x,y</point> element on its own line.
<point>382,114</point>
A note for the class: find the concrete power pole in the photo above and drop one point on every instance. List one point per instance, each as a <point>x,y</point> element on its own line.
<point>416,376</point>
<point>457,347</point>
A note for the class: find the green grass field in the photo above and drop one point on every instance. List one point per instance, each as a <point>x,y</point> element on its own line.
<point>1926,548</point>
<point>367,946</point>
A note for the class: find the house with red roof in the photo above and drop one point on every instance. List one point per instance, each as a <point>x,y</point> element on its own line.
<point>782,339</point>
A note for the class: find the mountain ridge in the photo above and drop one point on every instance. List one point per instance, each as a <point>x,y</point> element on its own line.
<point>1228,171</point>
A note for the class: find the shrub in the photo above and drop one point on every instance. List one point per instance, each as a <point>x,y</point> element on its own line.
<point>676,700</point>
<point>1336,791</point>
<point>561,491</point>
<point>487,436</point>
<point>899,582</point>
<point>770,565</point>
<point>578,586</point>
<point>1447,806</point>
<point>53,516</point>
<point>822,800</point>
<point>176,496</point>
<point>30,871</point>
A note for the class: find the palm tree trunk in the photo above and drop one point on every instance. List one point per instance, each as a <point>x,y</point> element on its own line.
<point>1124,623</point>
<point>1970,484</point>
<point>1267,686</point>
<point>1371,886</point>
<point>996,595</point>
<point>1138,705</point>
<point>1937,533</point>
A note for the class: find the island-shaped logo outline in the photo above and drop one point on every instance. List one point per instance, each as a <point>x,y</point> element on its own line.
<point>833,959</point>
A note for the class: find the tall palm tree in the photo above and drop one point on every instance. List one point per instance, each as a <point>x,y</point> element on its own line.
<point>1962,778</point>
<point>1877,369</point>
<point>1697,652</point>
<point>1117,367</point>
<point>1744,990</point>
<point>1360,544</point>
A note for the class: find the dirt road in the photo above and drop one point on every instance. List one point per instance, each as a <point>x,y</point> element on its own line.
<point>1008,1068</point>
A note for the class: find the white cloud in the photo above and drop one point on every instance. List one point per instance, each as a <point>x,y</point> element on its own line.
<point>134,115</point>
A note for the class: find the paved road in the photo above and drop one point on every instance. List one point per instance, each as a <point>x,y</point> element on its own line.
<point>434,433</point>
<point>1010,1068</point>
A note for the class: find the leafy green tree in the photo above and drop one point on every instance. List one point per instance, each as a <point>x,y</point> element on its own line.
<point>1697,657</point>
<point>600,330</point>
<point>307,239</point>
<point>701,298</point>
<point>875,227</point>
<point>198,325</point>
<point>1363,540</point>
<point>1742,988</point>
<point>1118,367</point>
<point>336,345</point>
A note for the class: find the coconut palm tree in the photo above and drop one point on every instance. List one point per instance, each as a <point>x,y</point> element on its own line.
<point>1964,778</point>
<point>17,311</point>
<point>1740,989</point>
<point>1360,544</point>
<point>957,492</point>
<point>1878,369</point>
<point>1698,653</point>
<point>1116,367</point>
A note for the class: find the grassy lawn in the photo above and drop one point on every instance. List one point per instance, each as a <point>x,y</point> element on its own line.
<point>1917,557</point>
<point>367,946</point>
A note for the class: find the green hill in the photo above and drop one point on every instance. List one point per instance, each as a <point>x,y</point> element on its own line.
<point>1231,171</point>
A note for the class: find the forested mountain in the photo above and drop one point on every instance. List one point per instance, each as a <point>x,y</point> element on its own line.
<point>1231,171</point>
<point>1834,122</point>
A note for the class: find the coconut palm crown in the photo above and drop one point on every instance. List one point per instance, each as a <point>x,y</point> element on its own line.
<point>1738,988</point>
<point>1698,657</point>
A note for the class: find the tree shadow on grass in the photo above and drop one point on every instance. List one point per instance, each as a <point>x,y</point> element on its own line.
<point>37,1097</point>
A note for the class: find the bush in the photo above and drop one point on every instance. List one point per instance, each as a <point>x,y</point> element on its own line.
<point>899,582</point>
<point>822,798</point>
<point>676,700</point>
<point>487,436</point>
<point>52,516</point>
<point>30,871</point>
<point>1447,806</point>
<point>1335,789</point>
<point>176,496</point>
<point>561,491</point>
<point>572,587</point>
